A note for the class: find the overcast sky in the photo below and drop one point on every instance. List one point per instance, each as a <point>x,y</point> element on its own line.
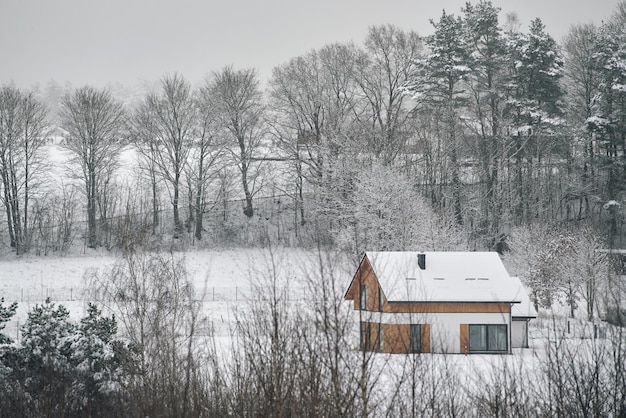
<point>128,41</point>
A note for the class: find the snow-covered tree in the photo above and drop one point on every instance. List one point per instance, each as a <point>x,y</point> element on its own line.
<point>535,102</point>
<point>98,361</point>
<point>486,82</point>
<point>590,264</point>
<point>384,212</point>
<point>46,369</point>
<point>534,109</point>
<point>440,84</point>
<point>6,313</point>
<point>581,82</point>
<point>607,123</point>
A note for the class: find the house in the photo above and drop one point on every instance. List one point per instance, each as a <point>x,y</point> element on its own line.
<point>445,302</point>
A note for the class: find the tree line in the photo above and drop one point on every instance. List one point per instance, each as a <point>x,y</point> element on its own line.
<point>495,126</point>
<point>472,138</point>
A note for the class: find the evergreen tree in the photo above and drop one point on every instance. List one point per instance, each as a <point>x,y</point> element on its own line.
<point>440,85</point>
<point>44,372</point>
<point>6,313</point>
<point>608,121</point>
<point>487,51</point>
<point>533,109</point>
<point>98,360</point>
<point>535,101</point>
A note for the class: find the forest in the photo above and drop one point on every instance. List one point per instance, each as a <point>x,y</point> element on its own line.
<point>484,136</point>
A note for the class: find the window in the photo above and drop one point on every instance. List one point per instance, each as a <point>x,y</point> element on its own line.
<point>363,297</point>
<point>380,300</point>
<point>492,337</point>
<point>415,338</point>
<point>366,336</point>
<point>381,338</point>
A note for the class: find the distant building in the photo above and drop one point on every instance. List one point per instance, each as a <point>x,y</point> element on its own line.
<point>439,302</point>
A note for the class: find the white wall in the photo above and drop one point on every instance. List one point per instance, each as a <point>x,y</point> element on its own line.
<point>519,334</point>
<point>445,330</point>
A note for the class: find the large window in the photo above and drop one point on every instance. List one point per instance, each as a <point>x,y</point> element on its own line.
<point>415,338</point>
<point>491,337</point>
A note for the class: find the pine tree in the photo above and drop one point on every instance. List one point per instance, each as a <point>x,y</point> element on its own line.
<point>98,360</point>
<point>533,109</point>
<point>487,51</point>
<point>440,85</point>
<point>46,373</point>
<point>6,313</point>
<point>608,121</point>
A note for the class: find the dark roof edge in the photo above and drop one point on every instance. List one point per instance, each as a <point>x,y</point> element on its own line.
<point>454,301</point>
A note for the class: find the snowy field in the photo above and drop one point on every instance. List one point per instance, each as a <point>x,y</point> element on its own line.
<point>222,280</point>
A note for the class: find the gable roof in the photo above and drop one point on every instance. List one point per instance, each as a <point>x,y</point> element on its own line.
<point>447,277</point>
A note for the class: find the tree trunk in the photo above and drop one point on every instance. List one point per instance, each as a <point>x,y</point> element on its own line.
<point>248,209</point>
<point>177,224</point>
<point>199,212</point>
<point>92,236</point>
<point>155,203</point>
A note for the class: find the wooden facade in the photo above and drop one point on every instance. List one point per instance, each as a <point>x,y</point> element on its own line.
<point>393,338</point>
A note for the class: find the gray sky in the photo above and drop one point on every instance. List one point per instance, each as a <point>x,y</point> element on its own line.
<point>127,41</point>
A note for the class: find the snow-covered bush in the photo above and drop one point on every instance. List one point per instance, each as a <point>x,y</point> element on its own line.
<point>6,313</point>
<point>61,368</point>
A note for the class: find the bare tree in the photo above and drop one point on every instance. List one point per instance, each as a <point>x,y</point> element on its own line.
<point>383,70</point>
<point>203,166</point>
<point>93,122</point>
<point>158,310</point>
<point>165,126</point>
<point>22,134</point>
<point>238,101</point>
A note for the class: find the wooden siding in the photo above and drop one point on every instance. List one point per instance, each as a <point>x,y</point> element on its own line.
<point>447,307</point>
<point>397,338</point>
<point>464,338</point>
<point>365,276</point>
<point>425,338</point>
<point>370,336</point>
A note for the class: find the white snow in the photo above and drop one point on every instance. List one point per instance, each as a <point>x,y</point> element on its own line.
<point>448,277</point>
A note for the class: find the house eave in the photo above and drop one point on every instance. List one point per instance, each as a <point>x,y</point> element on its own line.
<point>454,301</point>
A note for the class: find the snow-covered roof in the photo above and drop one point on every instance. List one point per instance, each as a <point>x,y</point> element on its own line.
<point>447,277</point>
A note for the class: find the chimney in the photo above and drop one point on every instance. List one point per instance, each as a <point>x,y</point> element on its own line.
<point>421,261</point>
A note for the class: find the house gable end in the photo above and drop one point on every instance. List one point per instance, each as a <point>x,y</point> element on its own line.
<point>365,276</point>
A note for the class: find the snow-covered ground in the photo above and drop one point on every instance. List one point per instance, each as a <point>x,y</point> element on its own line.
<point>222,279</point>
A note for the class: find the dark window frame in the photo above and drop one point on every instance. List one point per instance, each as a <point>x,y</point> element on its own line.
<point>489,343</point>
<point>415,338</point>
<point>363,297</point>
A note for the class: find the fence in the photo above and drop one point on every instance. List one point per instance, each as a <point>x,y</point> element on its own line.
<point>74,298</point>
<point>71,294</point>
<point>567,328</point>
